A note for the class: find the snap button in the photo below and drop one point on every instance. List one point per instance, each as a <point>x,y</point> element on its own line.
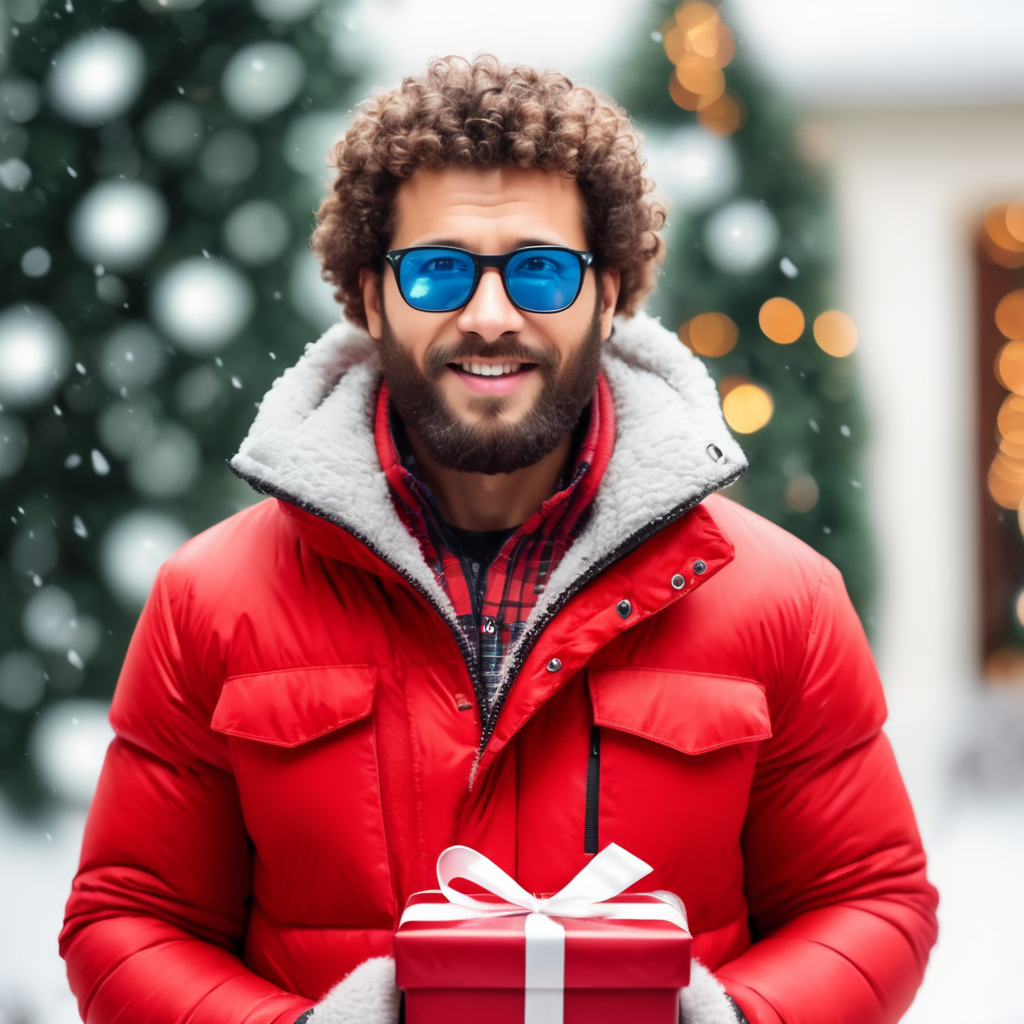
<point>554,665</point>
<point>678,582</point>
<point>624,608</point>
<point>700,567</point>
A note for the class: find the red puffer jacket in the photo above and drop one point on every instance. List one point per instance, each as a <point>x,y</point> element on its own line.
<point>297,741</point>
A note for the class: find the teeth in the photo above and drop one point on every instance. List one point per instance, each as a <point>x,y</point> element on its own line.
<point>490,369</point>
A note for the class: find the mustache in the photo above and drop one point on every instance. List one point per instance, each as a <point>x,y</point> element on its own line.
<point>509,349</point>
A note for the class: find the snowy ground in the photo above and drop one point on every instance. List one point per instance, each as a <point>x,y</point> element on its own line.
<point>973,827</point>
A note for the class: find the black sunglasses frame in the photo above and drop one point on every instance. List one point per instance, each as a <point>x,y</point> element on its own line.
<point>395,257</point>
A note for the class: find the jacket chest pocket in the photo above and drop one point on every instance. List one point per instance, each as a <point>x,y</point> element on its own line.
<point>304,751</point>
<point>675,758</point>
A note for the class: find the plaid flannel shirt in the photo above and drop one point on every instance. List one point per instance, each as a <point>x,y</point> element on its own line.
<point>492,603</point>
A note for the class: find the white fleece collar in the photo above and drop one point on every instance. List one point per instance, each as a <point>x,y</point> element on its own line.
<point>312,443</point>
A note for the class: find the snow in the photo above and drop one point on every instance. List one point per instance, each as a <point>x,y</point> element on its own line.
<point>37,863</point>
<point>975,970</point>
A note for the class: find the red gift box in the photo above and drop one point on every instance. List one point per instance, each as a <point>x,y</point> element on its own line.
<point>627,964</point>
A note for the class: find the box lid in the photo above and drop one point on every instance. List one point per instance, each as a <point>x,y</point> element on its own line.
<point>491,952</point>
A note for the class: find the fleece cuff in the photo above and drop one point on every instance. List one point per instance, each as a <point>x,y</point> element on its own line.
<point>704,1001</point>
<point>367,996</point>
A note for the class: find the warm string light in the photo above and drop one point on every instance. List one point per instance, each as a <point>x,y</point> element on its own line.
<point>1003,237</point>
<point>1006,471</point>
<point>700,46</point>
<point>747,407</point>
<point>835,333</point>
<point>709,334</point>
<point>782,321</point>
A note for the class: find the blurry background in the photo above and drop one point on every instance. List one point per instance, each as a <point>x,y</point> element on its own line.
<point>846,250</point>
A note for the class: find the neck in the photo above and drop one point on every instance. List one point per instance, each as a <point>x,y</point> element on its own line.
<point>484,501</point>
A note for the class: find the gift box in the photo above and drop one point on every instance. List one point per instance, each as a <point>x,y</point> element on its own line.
<point>578,957</point>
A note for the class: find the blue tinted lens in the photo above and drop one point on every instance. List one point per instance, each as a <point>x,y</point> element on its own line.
<point>543,280</point>
<point>436,279</point>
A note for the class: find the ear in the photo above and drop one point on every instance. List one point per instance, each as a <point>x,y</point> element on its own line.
<point>369,285</point>
<point>610,280</point>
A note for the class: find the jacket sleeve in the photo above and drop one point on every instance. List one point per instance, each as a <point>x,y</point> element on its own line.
<point>155,923</point>
<point>842,913</point>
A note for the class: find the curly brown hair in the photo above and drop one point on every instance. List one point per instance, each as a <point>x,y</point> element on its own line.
<point>483,112</point>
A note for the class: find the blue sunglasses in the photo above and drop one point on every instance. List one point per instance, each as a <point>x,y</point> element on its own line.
<point>537,278</point>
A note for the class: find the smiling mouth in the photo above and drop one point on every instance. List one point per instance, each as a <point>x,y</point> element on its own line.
<point>506,369</point>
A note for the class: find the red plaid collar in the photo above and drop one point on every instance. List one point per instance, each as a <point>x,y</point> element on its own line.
<point>519,573</point>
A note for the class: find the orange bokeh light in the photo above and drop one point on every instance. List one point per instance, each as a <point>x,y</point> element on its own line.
<point>1001,257</point>
<point>676,43</point>
<point>1006,481</point>
<point>700,75</point>
<point>1015,219</point>
<point>694,13</point>
<point>997,229</point>
<point>1010,315</point>
<point>781,320</point>
<point>680,96</point>
<point>1010,420</point>
<point>1000,244</point>
<point>1011,450</point>
<point>1009,367</point>
<point>835,333</point>
<point>724,115</point>
<point>710,334</point>
<point>747,408</point>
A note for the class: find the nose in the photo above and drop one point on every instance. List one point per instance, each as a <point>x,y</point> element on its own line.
<point>489,314</point>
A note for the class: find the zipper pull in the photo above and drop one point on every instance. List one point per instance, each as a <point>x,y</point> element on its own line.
<point>593,792</point>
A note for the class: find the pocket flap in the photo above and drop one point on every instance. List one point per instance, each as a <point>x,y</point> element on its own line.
<point>691,712</point>
<point>295,705</point>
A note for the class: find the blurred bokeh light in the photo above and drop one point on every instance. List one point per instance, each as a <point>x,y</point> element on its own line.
<point>97,77</point>
<point>201,304</point>
<point>710,334</point>
<point>134,548</point>
<point>34,355</point>
<point>747,408</point>
<point>741,237</point>
<point>781,320</point>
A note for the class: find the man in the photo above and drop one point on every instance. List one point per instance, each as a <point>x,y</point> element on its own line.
<point>492,600</point>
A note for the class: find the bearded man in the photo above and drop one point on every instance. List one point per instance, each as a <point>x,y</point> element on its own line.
<point>492,599</point>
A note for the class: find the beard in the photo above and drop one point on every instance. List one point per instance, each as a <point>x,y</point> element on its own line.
<point>493,445</point>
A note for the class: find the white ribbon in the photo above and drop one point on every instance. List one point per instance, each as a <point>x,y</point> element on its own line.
<point>611,872</point>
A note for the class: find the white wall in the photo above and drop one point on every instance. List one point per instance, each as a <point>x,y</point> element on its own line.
<point>911,187</point>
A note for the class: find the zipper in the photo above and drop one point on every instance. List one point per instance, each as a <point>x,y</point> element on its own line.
<point>593,792</point>
<point>527,641</point>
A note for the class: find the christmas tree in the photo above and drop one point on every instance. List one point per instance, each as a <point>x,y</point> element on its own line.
<point>748,278</point>
<point>158,180</point>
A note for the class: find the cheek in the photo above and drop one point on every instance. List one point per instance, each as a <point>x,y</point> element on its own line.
<point>414,330</point>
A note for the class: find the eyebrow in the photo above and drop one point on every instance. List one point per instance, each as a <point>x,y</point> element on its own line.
<point>521,243</point>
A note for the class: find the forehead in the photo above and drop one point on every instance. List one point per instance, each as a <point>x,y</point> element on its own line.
<point>488,209</point>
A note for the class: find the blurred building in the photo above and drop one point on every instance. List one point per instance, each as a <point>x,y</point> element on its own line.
<point>917,111</point>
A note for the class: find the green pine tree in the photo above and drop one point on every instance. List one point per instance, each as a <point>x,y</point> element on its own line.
<point>805,463</point>
<point>189,160</point>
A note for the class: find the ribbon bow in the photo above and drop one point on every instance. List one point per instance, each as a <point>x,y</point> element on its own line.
<point>611,872</point>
